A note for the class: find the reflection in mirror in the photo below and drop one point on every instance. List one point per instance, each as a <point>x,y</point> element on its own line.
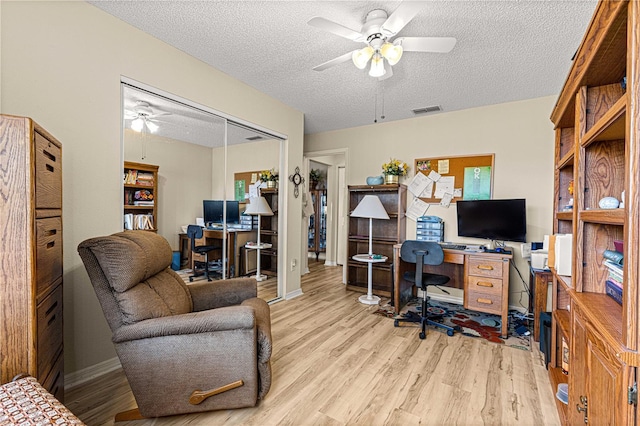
<point>198,153</point>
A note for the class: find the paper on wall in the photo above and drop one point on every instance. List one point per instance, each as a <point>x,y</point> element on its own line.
<point>457,192</point>
<point>426,193</point>
<point>446,199</point>
<point>434,176</point>
<point>253,190</point>
<point>443,166</point>
<point>416,209</point>
<point>443,185</point>
<point>418,184</point>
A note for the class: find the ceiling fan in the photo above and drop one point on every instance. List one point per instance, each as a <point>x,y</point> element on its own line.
<point>377,33</point>
<point>143,116</point>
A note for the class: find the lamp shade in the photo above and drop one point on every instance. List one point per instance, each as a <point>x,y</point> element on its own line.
<point>258,207</point>
<point>370,207</point>
<point>377,66</point>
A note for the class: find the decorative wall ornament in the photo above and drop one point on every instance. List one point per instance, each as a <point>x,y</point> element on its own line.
<point>297,179</point>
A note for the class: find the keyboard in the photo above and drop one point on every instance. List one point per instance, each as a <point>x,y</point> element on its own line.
<point>450,246</point>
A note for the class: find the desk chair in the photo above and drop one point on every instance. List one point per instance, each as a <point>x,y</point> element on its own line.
<point>424,253</point>
<point>194,232</point>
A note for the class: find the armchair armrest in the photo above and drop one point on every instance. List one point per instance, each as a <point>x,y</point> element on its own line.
<point>228,318</point>
<point>212,295</point>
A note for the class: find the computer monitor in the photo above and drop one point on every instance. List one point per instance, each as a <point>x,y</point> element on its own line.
<point>501,220</point>
<point>213,211</point>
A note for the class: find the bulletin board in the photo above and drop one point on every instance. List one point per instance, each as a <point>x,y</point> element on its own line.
<point>472,175</point>
<point>241,183</point>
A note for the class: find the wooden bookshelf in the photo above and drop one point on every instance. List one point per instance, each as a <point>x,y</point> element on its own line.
<point>141,196</point>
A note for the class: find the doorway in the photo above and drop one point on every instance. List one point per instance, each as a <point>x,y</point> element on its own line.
<point>332,169</point>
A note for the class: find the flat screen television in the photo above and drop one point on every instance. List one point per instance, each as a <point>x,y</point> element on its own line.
<point>500,220</point>
<point>214,211</point>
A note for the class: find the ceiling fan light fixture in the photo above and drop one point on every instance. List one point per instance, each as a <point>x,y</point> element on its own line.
<point>377,66</point>
<point>153,127</point>
<point>137,125</point>
<point>391,52</point>
<point>362,56</point>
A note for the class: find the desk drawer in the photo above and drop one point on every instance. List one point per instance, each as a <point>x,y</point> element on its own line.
<point>484,302</point>
<point>484,285</point>
<point>48,159</point>
<point>485,267</point>
<point>48,253</point>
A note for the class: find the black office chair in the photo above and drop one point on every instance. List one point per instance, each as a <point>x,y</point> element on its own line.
<point>424,253</point>
<point>194,232</point>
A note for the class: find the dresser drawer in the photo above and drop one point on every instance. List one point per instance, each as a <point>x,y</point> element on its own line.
<point>484,285</point>
<point>485,267</point>
<point>49,331</point>
<point>48,253</point>
<point>484,302</point>
<point>48,159</point>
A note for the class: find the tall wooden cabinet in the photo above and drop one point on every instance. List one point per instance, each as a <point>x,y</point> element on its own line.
<point>597,123</point>
<point>140,196</point>
<point>318,222</point>
<point>269,234</point>
<point>31,253</point>
<point>386,233</point>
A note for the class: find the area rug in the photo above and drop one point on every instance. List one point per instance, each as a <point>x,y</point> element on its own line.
<point>474,324</point>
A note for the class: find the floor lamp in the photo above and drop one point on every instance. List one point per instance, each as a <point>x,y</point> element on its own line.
<point>370,207</point>
<point>258,206</point>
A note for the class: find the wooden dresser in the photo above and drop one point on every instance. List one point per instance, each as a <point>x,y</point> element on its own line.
<point>31,253</point>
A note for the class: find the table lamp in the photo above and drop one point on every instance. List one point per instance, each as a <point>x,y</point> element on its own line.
<point>370,207</point>
<point>258,206</point>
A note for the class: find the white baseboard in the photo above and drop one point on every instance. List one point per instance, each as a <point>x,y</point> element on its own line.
<point>293,294</point>
<point>79,377</point>
<point>330,263</point>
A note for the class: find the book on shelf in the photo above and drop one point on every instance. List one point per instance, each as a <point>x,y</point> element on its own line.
<point>614,256</point>
<point>143,203</point>
<point>614,291</point>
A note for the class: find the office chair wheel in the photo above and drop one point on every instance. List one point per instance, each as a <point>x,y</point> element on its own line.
<point>396,323</point>
<point>422,335</point>
<point>190,279</point>
<point>450,333</point>
<point>458,328</point>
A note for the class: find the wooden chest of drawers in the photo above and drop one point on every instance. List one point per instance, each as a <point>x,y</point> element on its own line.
<point>487,284</point>
<point>31,247</point>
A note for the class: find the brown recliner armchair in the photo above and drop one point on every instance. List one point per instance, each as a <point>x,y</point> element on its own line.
<point>184,349</point>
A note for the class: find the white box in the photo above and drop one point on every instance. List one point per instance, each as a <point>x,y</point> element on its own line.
<point>563,254</point>
<point>539,259</point>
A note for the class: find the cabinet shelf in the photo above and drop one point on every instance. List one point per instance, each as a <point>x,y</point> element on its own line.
<point>603,216</point>
<point>563,319</point>
<point>140,217</point>
<point>604,314</point>
<point>566,161</point>
<point>611,126</point>
<point>568,215</point>
<point>556,377</point>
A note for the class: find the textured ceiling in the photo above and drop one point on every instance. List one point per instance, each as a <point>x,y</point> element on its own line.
<point>506,51</point>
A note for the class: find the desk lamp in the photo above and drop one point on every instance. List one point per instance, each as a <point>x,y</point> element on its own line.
<point>258,206</point>
<point>370,207</point>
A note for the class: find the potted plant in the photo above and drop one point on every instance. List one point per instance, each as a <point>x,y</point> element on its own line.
<point>393,169</point>
<point>315,177</point>
<point>270,177</point>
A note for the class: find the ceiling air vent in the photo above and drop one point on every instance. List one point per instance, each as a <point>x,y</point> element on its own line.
<point>427,110</point>
<point>254,138</point>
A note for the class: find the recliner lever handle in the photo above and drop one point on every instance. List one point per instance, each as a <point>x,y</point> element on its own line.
<point>197,396</point>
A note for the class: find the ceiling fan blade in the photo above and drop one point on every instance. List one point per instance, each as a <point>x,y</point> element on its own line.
<point>340,59</point>
<point>130,115</point>
<point>401,17</point>
<point>426,44</point>
<point>337,29</point>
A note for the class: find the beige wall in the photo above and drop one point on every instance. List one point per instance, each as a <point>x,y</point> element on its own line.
<point>62,64</point>
<point>520,135</point>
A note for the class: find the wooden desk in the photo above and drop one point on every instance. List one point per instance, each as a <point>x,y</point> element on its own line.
<point>484,277</point>
<point>539,281</point>
<point>236,240</point>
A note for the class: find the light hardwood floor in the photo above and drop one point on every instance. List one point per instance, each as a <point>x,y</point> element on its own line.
<point>336,363</point>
